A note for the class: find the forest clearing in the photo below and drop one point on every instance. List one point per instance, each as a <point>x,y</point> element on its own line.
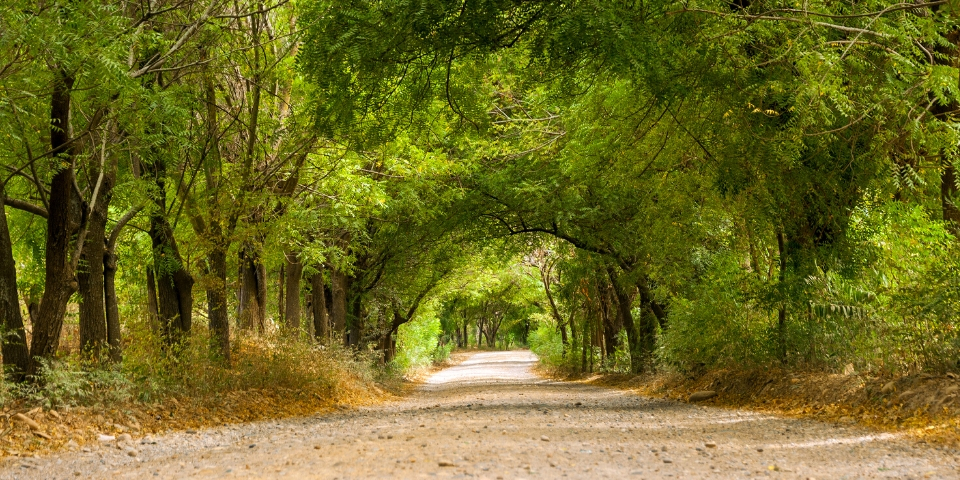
<point>221,218</point>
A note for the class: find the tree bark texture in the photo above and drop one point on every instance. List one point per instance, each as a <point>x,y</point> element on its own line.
<point>111,305</point>
<point>642,342</point>
<point>294,273</point>
<point>339,285</point>
<point>91,276</point>
<point>63,221</point>
<point>253,290</point>
<point>153,311</point>
<point>174,284</point>
<point>321,321</point>
<point>16,357</point>
<point>217,304</point>
<point>354,319</point>
<point>612,322</point>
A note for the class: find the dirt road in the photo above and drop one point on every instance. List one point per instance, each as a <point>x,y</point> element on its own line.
<point>491,417</point>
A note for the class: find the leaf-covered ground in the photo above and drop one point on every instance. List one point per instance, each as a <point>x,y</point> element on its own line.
<point>924,406</point>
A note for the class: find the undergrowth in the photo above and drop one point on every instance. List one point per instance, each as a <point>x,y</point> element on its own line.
<point>148,374</point>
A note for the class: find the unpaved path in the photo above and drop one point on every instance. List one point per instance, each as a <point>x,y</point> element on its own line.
<point>491,417</point>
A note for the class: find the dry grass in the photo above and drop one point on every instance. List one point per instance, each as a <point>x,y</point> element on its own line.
<point>271,378</point>
<point>923,406</point>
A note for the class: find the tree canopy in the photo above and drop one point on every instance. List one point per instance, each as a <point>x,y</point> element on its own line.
<point>631,185</point>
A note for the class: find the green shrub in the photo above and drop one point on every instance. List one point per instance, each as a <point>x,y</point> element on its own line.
<point>67,383</point>
<point>545,342</point>
<point>417,342</point>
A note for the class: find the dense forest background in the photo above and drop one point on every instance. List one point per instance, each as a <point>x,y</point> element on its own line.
<point>215,195</point>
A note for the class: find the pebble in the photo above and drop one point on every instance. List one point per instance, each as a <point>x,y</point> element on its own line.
<point>105,438</point>
<point>544,438</point>
<point>710,445</point>
<point>124,437</point>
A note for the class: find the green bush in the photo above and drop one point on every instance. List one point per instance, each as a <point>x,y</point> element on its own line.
<point>67,383</point>
<point>417,343</point>
<point>716,323</point>
<point>545,342</point>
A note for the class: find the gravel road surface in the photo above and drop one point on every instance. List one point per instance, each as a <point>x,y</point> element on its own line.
<point>492,417</point>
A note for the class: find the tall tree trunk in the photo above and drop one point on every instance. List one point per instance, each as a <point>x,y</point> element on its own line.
<point>583,345</point>
<point>174,284</point>
<point>216,265</point>
<point>110,287</point>
<point>16,357</point>
<point>281,303</point>
<point>60,282</point>
<point>294,272</point>
<point>153,311</point>
<point>338,310</point>
<point>217,302</point>
<point>782,311</point>
<point>946,112</point>
<point>91,277</point>
<point>253,290</point>
<point>321,322</point>
<point>111,306</point>
<point>641,343</point>
<point>612,322</point>
<point>354,318</point>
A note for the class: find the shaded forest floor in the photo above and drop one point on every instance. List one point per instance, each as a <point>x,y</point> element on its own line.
<point>924,406</point>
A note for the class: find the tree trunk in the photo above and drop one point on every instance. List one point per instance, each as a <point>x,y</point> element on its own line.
<point>174,284</point>
<point>111,306</point>
<point>217,303</point>
<point>153,311</point>
<point>16,357</point>
<point>60,282</point>
<point>253,290</point>
<point>321,322</point>
<point>281,303</point>
<point>91,277</point>
<point>338,310</point>
<point>944,111</point>
<point>294,272</point>
<point>611,323</point>
<point>641,343</point>
<point>583,346</point>
<point>355,319</point>
<point>782,312</point>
